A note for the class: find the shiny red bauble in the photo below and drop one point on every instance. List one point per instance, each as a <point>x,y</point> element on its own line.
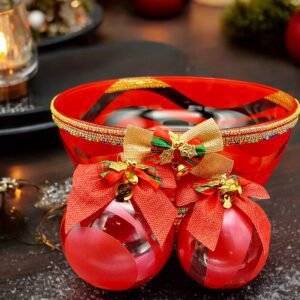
<point>115,249</point>
<point>235,259</point>
<point>293,37</point>
<point>159,8</point>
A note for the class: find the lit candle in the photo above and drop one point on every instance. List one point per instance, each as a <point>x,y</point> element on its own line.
<point>3,48</point>
<point>10,57</point>
<point>17,52</point>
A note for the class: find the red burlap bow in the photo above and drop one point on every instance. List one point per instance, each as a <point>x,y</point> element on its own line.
<point>94,187</point>
<point>207,215</point>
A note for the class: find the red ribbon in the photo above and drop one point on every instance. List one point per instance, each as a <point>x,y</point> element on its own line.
<point>207,215</point>
<point>91,193</point>
<point>114,177</point>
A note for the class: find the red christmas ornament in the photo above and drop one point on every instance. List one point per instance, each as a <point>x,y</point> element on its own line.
<point>115,249</point>
<point>234,260</point>
<point>118,230</point>
<point>293,37</point>
<point>159,8</point>
<point>224,241</point>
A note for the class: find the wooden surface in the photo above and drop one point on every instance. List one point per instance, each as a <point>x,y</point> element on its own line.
<point>35,272</point>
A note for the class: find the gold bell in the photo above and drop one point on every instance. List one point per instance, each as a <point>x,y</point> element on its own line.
<point>181,171</point>
<point>124,192</point>
<point>226,200</point>
<point>131,177</point>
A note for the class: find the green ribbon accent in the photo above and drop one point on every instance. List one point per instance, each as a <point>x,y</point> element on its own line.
<point>204,188</point>
<point>103,175</point>
<point>159,142</point>
<point>200,150</point>
<point>157,179</point>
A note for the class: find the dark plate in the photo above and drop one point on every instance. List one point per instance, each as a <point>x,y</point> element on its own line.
<point>96,19</point>
<point>62,70</point>
<point>26,129</point>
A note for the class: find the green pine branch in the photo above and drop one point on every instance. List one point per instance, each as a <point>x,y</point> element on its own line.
<point>258,24</point>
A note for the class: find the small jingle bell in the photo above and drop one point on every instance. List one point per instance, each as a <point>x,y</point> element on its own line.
<point>124,192</point>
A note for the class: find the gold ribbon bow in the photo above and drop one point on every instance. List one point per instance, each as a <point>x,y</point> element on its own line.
<point>138,145</point>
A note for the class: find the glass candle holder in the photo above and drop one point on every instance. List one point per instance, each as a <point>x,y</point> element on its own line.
<point>18,56</point>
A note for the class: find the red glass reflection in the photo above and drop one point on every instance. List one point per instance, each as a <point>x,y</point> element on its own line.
<point>235,259</point>
<point>115,250</point>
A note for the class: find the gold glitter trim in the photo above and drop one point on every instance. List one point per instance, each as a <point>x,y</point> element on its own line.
<point>241,135</point>
<point>128,84</point>
<point>256,137</point>
<point>81,125</point>
<point>106,138</point>
<point>282,99</point>
<point>109,137</point>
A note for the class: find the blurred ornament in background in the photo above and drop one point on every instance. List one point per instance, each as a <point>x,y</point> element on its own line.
<point>37,20</point>
<point>50,18</point>
<point>159,8</point>
<point>18,58</point>
<point>293,37</point>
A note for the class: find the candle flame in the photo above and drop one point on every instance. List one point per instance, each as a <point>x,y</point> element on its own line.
<point>18,193</point>
<point>3,45</point>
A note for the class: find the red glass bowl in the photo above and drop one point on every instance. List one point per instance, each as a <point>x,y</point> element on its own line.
<point>255,120</point>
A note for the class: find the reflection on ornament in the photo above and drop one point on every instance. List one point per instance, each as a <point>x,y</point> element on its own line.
<point>115,249</point>
<point>236,260</point>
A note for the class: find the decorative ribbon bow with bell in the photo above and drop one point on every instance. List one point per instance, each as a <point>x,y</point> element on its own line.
<point>195,150</point>
<point>217,195</point>
<point>96,185</point>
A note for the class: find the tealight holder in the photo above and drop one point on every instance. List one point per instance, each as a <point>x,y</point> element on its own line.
<point>18,58</point>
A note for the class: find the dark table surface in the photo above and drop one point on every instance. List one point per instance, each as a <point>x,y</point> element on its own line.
<point>36,272</point>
